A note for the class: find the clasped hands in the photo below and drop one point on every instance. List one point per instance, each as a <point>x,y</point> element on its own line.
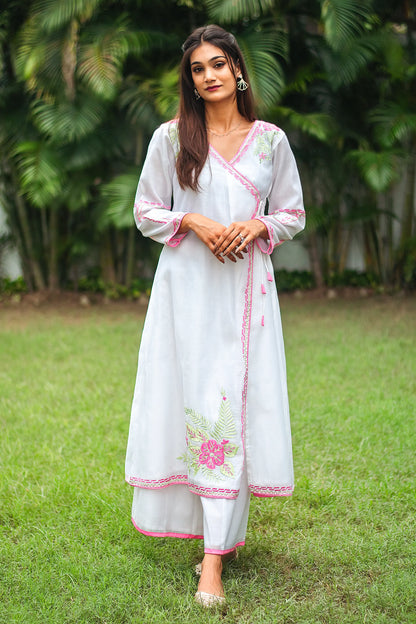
<point>224,242</point>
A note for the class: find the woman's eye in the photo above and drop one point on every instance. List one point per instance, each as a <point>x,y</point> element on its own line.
<point>219,65</point>
<point>197,69</point>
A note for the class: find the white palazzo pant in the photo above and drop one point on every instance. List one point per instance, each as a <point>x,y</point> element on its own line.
<point>176,512</point>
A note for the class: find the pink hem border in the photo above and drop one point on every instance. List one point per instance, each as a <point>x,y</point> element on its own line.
<point>214,551</point>
<point>155,534</point>
<point>271,495</point>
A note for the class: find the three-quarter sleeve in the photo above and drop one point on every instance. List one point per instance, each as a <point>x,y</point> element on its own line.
<point>286,215</point>
<point>153,203</point>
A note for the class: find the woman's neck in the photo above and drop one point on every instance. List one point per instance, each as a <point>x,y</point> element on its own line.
<point>222,118</point>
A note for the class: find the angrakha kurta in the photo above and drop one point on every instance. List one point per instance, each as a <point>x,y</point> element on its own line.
<point>210,404</point>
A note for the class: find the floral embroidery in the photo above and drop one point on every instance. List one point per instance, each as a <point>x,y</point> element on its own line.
<point>174,137</point>
<point>263,145</point>
<point>209,448</point>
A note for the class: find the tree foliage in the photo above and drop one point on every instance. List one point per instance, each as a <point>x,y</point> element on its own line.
<point>84,83</point>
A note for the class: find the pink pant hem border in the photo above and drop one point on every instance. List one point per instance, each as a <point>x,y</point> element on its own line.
<point>214,551</point>
<point>155,534</point>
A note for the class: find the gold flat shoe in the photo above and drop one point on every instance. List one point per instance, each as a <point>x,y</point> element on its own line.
<point>209,600</point>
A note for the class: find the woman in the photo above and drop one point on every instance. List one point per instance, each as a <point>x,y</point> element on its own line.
<point>210,419</point>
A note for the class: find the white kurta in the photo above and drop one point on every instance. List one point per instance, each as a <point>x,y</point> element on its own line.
<point>210,395</point>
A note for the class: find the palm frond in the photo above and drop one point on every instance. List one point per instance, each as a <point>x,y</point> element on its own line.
<point>53,14</point>
<point>344,66</point>
<point>318,125</point>
<point>68,121</point>
<point>76,193</point>
<point>41,172</point>
<point>226,11</point>
<point>103,50</point>
<point>344,20</point>
<point>265,72</point>
<point>394,123</point>
<point>379,169</point>
<point>151,101</point>
<point>38,59</point>
<point>118,198</point>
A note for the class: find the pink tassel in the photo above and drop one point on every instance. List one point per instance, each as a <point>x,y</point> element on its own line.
<point>269,276</point>
<point>262,321</point>
<point>263,290</point>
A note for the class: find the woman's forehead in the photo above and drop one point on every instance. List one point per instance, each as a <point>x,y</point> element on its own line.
<point>206,52</point>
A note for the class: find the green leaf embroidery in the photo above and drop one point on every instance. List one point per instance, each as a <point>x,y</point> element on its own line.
<point>227,469</point>
<point>225,426</point>
<point>230,449</point>
<point>208,445</point>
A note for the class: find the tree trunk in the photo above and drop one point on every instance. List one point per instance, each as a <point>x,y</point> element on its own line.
<point>53,277</point>
<point>409,204</point>
<point>131,238</point>
<point>314,260</point>
<point>29,252</point>
<point>107,259</point>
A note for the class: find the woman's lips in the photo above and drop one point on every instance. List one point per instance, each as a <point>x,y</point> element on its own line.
<point>213,88</point>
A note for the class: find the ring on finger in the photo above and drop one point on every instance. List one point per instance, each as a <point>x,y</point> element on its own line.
<point>242,238</point>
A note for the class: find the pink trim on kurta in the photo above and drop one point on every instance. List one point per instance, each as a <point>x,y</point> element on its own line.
<point>155,534</point>
<point>239,177</point>
<point>265,246</point>
<point>212,492</point>
<point>175,239</point>
<point>157,484</point>
<point>138,209</point>
<point>267,491</point>
<point>214,551</point>
<point>248,140</point>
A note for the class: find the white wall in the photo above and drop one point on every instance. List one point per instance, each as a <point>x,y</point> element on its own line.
<point>10,265</point>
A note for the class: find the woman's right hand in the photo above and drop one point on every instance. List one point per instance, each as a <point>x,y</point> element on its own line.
<point>208,231</point>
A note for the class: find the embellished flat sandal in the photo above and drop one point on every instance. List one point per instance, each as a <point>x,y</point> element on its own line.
<point>209,600</point>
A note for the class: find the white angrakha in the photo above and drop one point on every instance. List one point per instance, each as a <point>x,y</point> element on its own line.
<point>210,416</point>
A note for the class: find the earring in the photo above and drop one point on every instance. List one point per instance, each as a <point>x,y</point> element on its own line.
<point>242,85</point>
<point>197,96</point>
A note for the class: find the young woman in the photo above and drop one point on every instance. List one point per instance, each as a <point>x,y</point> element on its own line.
<point>210,419</point>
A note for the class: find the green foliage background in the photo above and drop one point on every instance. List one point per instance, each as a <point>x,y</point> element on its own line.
<point>83,84</point>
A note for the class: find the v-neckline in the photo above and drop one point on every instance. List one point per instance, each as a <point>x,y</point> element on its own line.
<point>240,149</point>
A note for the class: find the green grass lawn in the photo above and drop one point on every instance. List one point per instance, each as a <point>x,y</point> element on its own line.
<point>341,550</point>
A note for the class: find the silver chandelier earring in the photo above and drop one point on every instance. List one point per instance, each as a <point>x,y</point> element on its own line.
<point>242,85</point>
<point>197,96</point>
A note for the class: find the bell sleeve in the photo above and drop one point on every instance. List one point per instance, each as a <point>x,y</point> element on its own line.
<point>286,215</point>
<point>153,212</point>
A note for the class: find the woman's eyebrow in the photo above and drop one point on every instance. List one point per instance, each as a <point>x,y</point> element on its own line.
<point>214,58</point>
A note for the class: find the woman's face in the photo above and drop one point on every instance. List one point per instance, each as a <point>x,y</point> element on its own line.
<point>212,76</point>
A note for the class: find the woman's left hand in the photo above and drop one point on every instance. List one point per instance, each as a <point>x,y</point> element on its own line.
<point>235,238</point>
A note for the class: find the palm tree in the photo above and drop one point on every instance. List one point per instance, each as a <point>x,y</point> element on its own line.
<point>71,58</point>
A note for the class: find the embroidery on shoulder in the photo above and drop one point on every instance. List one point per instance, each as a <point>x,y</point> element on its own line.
<point>174,136</point>
<point>209,448</point>
<point>263,145</point>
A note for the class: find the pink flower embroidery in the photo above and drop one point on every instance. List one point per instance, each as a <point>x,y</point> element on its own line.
<point>212,454</point>
<point>262,156</point>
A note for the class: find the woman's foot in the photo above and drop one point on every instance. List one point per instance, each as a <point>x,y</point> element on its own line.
<point>227,558</point>
<point>210,581</point>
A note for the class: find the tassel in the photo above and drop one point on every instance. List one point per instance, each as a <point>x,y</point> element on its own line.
<point>263,289</point>
<point>262,321</point>
<point>269,276</point>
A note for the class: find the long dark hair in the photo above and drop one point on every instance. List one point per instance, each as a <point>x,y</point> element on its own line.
<point>193,138</point>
